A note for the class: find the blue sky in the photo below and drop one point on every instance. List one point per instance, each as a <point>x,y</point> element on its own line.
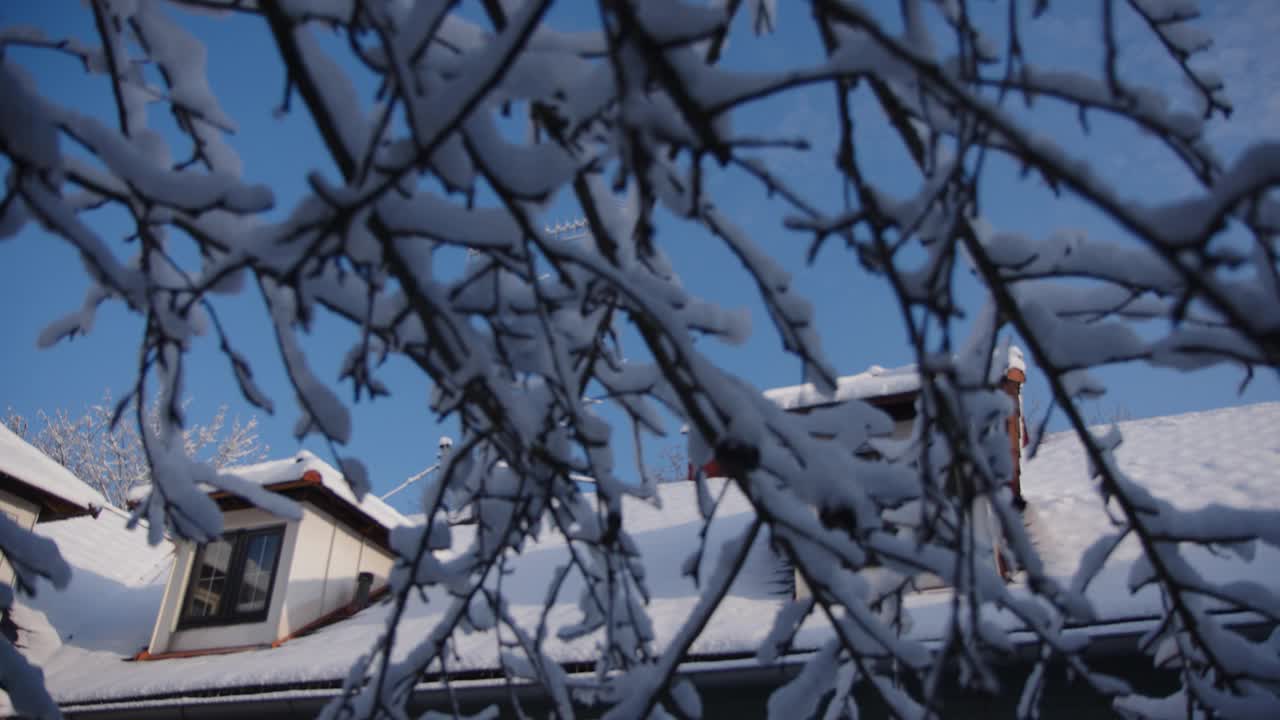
<point>41,278</point>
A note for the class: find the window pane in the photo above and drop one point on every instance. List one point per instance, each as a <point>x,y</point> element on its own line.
<point>211,579</point>
<point>259,561</point>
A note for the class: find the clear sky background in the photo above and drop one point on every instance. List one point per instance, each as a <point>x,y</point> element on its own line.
<point>41,278</point>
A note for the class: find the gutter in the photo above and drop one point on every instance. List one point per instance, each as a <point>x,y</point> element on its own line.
<point>466,693</point>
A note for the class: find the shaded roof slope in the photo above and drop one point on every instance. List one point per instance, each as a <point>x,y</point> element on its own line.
<point>114,571</point>
<point>108,610</point>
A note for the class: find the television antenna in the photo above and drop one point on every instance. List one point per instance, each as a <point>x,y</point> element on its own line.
<point>568,230</point>
<point>446,446</point>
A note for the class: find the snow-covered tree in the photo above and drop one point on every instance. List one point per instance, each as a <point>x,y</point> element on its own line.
<point>109,455</point>
<point>629,120</point>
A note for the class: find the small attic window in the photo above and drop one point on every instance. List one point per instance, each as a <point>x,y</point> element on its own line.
<point>232,578</point>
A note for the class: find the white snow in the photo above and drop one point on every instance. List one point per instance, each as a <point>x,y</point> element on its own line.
<point>291,469</point>
<point>1229,456</point>
<point>874,382</point>
<point>25,463</point>
<point>1016,360</point>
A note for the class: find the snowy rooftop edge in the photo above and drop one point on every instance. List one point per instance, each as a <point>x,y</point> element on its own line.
<point>271,472</point>
<point>874,382</point>
<point>287,469</point>
<point>27,464</point>
<point>292,468</point>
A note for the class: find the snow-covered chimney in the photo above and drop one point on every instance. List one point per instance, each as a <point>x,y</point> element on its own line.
<point>1015,376</point>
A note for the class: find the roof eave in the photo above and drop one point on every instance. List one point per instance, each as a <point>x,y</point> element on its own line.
<point>310,487</point>
<point>1108,641</point>
<point>52,506</point>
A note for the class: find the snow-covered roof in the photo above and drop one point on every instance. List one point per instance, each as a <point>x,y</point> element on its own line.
<point>25,463</point>
<point>292,469</point>
<point>876,382</point>
<point>1229,456</point>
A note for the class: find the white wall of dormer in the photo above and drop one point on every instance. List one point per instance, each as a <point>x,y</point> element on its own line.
<point>323,577</point>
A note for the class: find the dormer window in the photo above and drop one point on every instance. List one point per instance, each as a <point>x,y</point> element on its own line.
<point>232,578</point>
<point>265,582</point>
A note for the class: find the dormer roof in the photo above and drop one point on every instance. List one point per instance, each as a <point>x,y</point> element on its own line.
<point>874,382</point>
<point>307,467</point>
<point>37,477</point>
<point>305,476</point>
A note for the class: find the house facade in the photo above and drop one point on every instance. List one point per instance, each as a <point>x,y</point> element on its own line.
<point>268,580</point>
<point>895,392</point>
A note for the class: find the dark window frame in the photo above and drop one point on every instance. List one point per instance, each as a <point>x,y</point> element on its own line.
<point>227,614</point>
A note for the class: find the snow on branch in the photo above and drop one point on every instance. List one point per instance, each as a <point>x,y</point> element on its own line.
<point>545,347</point>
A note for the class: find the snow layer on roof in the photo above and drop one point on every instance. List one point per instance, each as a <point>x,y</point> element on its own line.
<point>292,468</point>
<point>1230,456</point>
<point>105,546</point>
<point>875,382</point>
<point>26,463</point>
